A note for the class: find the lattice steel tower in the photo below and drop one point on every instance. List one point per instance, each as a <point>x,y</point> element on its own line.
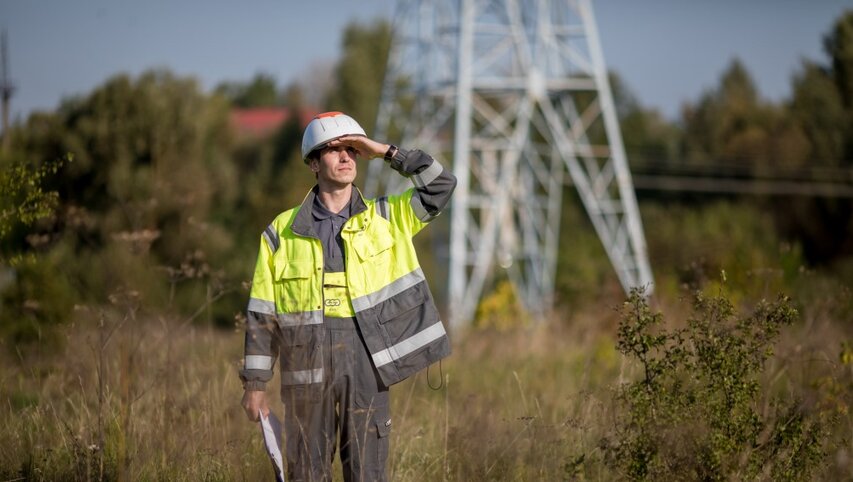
<point>515,93</point>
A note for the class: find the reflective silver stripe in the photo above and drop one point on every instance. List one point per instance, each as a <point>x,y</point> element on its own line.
<point>271,236</point>
<point>301,318</point>
<point>257,362</point>
<point>302,377</point>
<point>261,306</point>
<point>420,210</point>
<point>287,319</point>
<point>382,204</point>
<point>394,288</point>
<point>428,175</point>
<point>408,345</point>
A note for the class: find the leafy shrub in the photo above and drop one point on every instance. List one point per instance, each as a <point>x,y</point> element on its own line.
<point>24,199</point>
<point>696,411</point>
<point>689,245</point>
<point>34,302</point>
<point>501,309</point>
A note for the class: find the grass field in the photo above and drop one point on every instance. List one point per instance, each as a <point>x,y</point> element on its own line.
<point>129,397</point>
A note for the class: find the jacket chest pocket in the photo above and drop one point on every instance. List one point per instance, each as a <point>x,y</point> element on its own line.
<point>373,246</point>
<point>294,281</point>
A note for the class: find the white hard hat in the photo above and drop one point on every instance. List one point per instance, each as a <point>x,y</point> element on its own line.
<point>328,127</point>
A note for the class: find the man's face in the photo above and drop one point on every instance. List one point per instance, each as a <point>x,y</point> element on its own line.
<point>336,165</point>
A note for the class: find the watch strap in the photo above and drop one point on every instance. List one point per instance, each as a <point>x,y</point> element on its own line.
<point>389,154</point>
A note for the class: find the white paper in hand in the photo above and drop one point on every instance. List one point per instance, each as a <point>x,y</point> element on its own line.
<point>271,428</point>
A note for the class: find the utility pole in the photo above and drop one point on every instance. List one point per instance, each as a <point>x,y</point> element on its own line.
<point>6,88</point>
<point>516,94</point>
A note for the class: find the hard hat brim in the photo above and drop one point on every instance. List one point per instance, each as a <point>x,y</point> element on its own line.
<point>322,145</point>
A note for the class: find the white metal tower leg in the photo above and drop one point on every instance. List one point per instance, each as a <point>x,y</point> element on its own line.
<point>515,92</point>
<point>458,285</point>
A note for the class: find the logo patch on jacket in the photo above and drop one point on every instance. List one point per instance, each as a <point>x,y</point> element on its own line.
<point>333,302</point>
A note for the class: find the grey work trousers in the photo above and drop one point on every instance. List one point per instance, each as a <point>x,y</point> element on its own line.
<point>351,400</point>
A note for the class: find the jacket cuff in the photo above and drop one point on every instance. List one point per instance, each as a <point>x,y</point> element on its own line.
<point>254,386</point>
<point>398,159</point>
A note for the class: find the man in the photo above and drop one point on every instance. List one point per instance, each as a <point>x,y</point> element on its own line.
<point>339,297</point>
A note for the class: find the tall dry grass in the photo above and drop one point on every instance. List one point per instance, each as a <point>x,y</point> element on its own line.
<point>133,397</point>
<point>128,399</point>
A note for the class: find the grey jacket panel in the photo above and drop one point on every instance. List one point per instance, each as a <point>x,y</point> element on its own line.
<point>302,354</point>
<point>404,333</point>
<point>261,348</point>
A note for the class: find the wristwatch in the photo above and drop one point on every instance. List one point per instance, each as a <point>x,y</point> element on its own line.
<point>389,154</point>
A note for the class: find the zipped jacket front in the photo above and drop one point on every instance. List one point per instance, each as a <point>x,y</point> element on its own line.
<point>393,306</point>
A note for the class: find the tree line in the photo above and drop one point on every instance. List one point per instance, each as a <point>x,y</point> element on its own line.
<point>164,200</point>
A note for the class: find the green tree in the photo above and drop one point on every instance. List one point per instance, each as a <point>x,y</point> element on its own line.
<point>151,178</point>
<point>360,72</point>
<point>838,45</point>
<point>822,109</point>
<point>818,109</point>
<point>731,126</point>
<point>148,155</point>
<point>261,91</point>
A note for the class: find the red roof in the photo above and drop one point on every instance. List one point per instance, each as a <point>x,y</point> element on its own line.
<point>259,122</point>
<point>264,121</point>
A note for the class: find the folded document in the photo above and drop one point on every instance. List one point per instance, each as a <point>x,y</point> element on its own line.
<point>271,428</point>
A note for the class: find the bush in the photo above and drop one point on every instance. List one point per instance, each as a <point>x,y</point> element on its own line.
<point>501,310</point>
<point>36,301</point>
<point>688,246</point>
<point>697,412</point>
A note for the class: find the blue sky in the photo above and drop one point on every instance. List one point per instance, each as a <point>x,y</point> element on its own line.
<point>667,51</point>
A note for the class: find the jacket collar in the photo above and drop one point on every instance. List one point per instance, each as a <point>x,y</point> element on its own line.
<point>303,223</point>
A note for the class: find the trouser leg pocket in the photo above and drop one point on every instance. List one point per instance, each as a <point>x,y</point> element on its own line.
<point>365,447</point>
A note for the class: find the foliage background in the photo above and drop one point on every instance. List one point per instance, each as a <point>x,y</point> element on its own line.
<point>125,263</point>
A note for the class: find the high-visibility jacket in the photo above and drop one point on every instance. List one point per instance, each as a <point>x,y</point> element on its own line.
<point>392,302</point>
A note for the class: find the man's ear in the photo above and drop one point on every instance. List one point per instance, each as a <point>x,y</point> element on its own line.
<point>314,165</point>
